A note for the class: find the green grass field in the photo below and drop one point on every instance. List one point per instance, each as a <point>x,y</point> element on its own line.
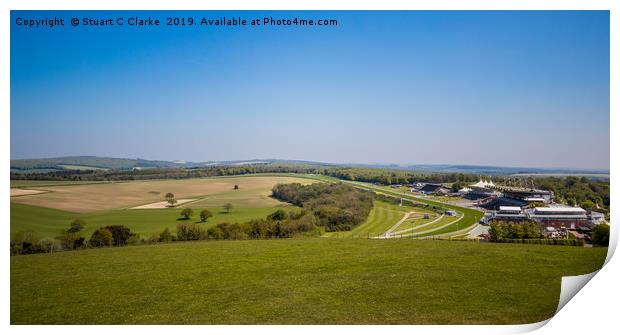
<point>46,222</point>
<point>297,281</point>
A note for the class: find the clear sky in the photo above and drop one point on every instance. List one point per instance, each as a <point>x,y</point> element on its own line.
<point>490,88</point>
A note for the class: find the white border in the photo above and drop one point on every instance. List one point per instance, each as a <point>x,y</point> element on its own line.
<point>590,311</point>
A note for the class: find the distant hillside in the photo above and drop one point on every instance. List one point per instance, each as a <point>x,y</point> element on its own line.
<point>86,163</point>
<point>500,170</point>
<point>44,165</point>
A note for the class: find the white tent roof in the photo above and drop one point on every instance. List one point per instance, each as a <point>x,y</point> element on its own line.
<point>510,208</point>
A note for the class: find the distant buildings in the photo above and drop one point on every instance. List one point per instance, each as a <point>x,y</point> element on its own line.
<point>434,189</point>
<point>482,189</point>
<point>528,195</point>
<point>508,213</point>
<point>559,216</point>
<point>556,216</point>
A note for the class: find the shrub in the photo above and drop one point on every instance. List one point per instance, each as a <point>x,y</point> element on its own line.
<point>120,234</point>
<point>102,237</point>
<point>71,241</point>
<point>27,242</point>
<point>76,226</point>
<point>600,235</point>
<point>190,231</point>
<point>277,215</point>
<point>215,233</point>
<point>165,236</point>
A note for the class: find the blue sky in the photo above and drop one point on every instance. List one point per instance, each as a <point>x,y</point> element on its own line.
<point>495,88</point>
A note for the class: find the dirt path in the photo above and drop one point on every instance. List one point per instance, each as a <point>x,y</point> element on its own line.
<point>162,204</point>
<point>18,192</point>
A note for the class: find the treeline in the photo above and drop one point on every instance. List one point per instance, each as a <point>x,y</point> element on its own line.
<point>337,207</point>
<point>525,233</point>
<point>279,224</point>
<point>72,239</point>
<point>588,193</point>
<point>504,230</point>
<point>160,173</point>
<point>389,177</point>
<point>372,175</point>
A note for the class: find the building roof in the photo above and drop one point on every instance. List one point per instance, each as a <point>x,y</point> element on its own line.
<point>559,217</point>
<point>550,210</point>
<point>431,187</point>
<point>510,208</point>
<point>483,184</point>
<point>534,199</point>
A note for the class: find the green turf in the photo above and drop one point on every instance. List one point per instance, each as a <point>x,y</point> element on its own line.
<point>470,216</point>
<point>47,222</point>
<point>297,281</point>
<point>381,218</point>
<point>441,222</point>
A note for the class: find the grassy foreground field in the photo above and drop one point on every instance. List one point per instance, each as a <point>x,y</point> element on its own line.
<point>297,281</point>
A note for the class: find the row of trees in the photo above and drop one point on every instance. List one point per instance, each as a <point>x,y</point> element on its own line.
<point>72,239</point>
<point>500,230</point>
<point>279,224</point>
<point>503,231</point>
<point>590,194</point>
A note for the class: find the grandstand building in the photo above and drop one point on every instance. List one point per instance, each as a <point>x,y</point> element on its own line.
<point>559,216</point>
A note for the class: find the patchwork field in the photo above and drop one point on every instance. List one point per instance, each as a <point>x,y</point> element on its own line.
<point>95,197</point>
<point>337,281</point>
<point>48,215</point>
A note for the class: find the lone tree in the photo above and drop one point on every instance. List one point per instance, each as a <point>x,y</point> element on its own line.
<point>228,206</point>
<point>170,198</point>
<point>236,187</point>
<point>205,214</point>
<point>187,213</point>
